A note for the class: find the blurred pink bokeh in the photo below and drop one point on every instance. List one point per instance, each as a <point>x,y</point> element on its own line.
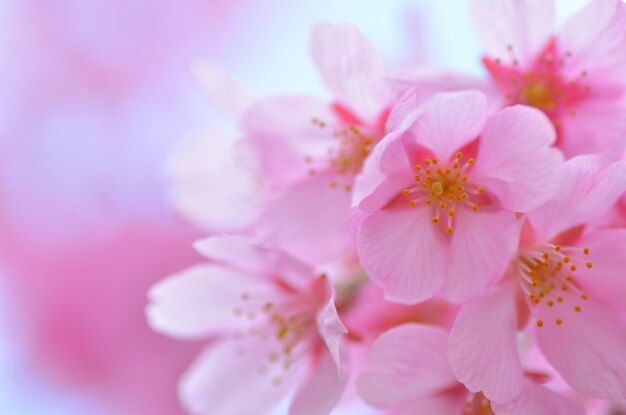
<point>95,94</point>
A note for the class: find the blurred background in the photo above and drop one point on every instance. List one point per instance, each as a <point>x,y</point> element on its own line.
<point>94,96</point>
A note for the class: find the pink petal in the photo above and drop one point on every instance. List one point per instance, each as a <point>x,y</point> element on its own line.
<point>211,186</point>
<point>404,253</point>
<point>596,38</point>
<point>229,379</point>
<point>423,82</point>
<point>587,348</point>
<point>525,25</point>
<point>385,173</point>
<point>482,347</point>
<point>200,301</point>
<point>483,244</point>
<point>452,402</point>
<point>597,127</point>
<point>309,219</point>
<point>241,254</point>
<point>349,66</point>
<point>279,135</point>
<point>449,121</point>
<point>321,391</point>
<point>538,400</point>
<point>222,90</point>
<point>515,162</point>
<point>588,189</point>
<point>408,363</point>
<point>331,328</point>
<point>605,280</point>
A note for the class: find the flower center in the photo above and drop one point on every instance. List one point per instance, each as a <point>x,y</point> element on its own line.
<point>477,404</point>
<point>547,276</point>
<point>352,141</point>
<point>541,84</point>
<point>445,189</point>
<point>287,325</point>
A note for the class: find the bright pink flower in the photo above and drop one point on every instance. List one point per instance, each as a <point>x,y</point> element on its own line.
<point>441,192</point>
<point>568,277</point>
<point>578,77</point>
<point>410,374</point>
<point>275,326</point>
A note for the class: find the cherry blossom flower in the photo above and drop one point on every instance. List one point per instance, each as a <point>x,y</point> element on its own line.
<point>567,279</point>
<point>274,326</point>
<point>577,76</point>
<point>441,193</point>
<point>410,374</point>
<point>303,152</point>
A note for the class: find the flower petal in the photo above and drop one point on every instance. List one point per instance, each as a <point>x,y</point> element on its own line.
<point>515,162</point>
<point>221,88</point>
<point>538,400</point>
<point>349,66</point>
<point>385,173</point>
<point>588,189</point>
<point>321,391</point>
<point>208,387</point>
<point>407,363</point>
<point>450,120</point>
<point>587,348</point>
<point>596,38</point>
<point>210,184</point>
<point>331,328</point>
<point>482,348</point>
<point>286,221</point>
<point>258,261</point>
<point>404,253</point>
<point>200,301</point>
<point>605,280</point>
<point>450,402</point>
<point>524,25</point>
<point>483,243</point>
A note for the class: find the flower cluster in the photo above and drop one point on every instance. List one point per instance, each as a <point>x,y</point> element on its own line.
<point>427,242</point>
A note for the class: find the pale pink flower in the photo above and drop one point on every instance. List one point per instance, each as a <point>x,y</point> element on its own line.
<point>274,323</point>
<point>568,278</point>
<point>441,191</point>
<point>303,152</point>
<point>410,375</point>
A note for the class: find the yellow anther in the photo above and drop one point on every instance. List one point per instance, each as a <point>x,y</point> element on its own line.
<point>413,203</point>
<point>471,161</point>
<point>451,212</point>
<point>442,205</point>
<point>480,189</point>
<point>558,321</point>
<point>577,308</point>
<point>539,323</point>
<point>450,230</point>
<point>459,155</point>
<point>418,167</point>
<point>584,296</point>
<point>589,265</point>
<point>435,219</point>
<point>474,207</point>
<point>572,267</point>
<point>417,178</point>
<point>586,251</point>
<point>406,192</point>
<point>557,248</point>
<point>437,188</point>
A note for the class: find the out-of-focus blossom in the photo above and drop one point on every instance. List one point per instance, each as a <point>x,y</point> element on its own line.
<point>441,202</point>
<point>304,152</point>
<point>275,325</point>
<point>567,276</point>
<point>410,374</point>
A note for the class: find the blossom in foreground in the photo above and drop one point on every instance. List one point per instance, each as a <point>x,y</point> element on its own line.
<point>565,286</point>
<point>441,193</point>
<point>410,374</point>
<point>273,323</point>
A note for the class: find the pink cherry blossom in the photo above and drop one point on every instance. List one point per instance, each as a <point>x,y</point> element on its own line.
<point>303,152</point>
<point>441,193</point>
<point>577,77</point>
<point>410,374</point>
<point>274,326</point>
<point>567,278</point>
